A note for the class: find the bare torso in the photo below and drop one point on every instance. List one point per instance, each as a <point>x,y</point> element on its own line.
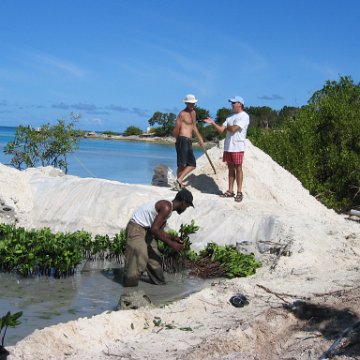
<point>185,123</point>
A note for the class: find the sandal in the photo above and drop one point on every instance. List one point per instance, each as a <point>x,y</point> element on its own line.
<point>227,194</point>
<point>178,186</point>
<point>239,196</point>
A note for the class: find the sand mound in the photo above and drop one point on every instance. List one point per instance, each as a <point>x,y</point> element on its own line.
<point>307,250</point>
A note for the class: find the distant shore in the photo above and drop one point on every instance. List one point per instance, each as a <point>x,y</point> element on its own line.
<point>144,138</point>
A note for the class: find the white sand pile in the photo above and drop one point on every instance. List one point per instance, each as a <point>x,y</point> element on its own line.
<point>306,249</point>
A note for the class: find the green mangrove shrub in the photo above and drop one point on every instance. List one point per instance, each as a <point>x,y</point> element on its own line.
<point>214,260</point>
<point>46,145</point>
<point>41,252</point>
<point>320,144</point>
<point>173,261</point>
<point>117,246</point>
<point>8,320</point>
<point>234,263</point>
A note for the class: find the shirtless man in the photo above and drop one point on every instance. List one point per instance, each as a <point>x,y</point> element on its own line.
<point>183,131</point>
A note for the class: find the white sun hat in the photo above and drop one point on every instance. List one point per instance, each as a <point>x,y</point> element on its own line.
<point>190,98</point>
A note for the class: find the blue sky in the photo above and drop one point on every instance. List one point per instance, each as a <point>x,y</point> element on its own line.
<point>116,62</point>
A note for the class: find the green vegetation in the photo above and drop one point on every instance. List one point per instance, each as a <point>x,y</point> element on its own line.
<point>166,122</point>
<point>132,130</point>
<point>41,252</point>
<point>47,145</point>
<point>215,260</point>
<point>234,263</point>
<point>208,133</point>
<point>173,261</point>
<point>30,252</point>
<point>320,144</point>
<point>8,320</point>
<point>263,117</point>
<point>184,234</point>
<point>110,133</point>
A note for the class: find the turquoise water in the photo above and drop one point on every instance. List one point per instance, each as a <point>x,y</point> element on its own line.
<point>131,162</point>
<point>47,301</point>
<point>96,288</point>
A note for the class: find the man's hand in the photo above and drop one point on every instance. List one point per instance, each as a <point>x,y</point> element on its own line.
<point>177,244</point>
<point>218,128</point>
<point>208,120</point>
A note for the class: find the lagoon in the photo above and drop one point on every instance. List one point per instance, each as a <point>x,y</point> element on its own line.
<point>127,161</point>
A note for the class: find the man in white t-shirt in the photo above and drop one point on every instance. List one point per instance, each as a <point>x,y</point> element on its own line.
<point>234,145</point>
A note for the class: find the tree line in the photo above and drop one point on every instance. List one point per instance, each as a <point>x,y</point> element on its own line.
<point>261,117</point>
<point>319,143</point>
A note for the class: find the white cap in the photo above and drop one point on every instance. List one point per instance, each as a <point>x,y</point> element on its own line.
<point>190,99</point>
<point>237,99</point>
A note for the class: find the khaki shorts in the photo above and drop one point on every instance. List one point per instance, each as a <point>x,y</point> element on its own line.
<point>141,254</point>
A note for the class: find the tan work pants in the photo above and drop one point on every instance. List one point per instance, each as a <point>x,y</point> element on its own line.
<point>141,254</point>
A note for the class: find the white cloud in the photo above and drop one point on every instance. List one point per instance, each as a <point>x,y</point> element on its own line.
<point>322,68</point>
<point>62,65</point>
<point>92,121</point>
<point>271,97</point>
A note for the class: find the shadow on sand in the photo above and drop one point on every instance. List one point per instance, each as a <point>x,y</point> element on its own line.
<point>204,184</point>
<point>340,325</point>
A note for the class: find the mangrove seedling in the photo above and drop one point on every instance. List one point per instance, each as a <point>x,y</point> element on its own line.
<point>7,320</point>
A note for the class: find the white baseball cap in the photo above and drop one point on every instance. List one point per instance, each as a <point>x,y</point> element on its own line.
<point>190,99</point>
<point>237,99</point>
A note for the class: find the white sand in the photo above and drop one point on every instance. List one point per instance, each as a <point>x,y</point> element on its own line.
<point>321,255</point>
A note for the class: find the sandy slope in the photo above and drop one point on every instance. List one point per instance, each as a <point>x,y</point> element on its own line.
<point>308,251</point>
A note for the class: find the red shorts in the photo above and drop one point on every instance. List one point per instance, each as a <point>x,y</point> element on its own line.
<point>233,157</point>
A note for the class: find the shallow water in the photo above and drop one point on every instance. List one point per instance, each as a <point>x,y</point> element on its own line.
<point>46,301</point>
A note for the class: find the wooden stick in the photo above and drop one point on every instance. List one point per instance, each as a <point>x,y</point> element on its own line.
<point>212,165</point>
<point>280,296</point>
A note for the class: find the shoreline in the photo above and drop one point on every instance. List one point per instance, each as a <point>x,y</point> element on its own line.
<point>155,139</point>
<point>168,140</point>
